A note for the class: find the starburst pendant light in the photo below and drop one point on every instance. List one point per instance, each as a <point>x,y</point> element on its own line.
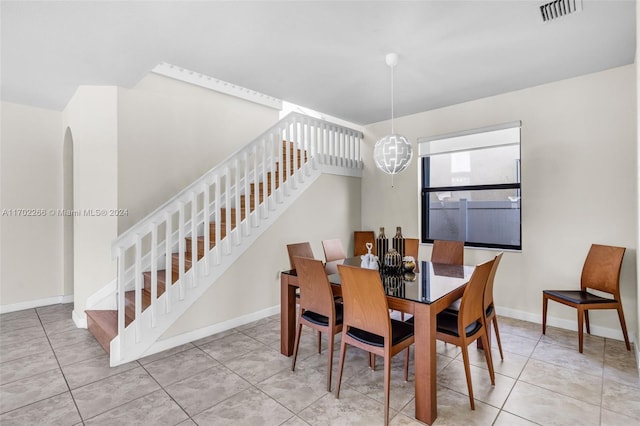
<point>393,152</point>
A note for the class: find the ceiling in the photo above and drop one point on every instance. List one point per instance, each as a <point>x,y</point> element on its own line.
<point>328,55</point>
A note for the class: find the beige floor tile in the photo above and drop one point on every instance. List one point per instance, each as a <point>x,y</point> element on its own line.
<point>508,419</point>
<point>591,361</point>
<point>106,394</point>
<point>562,380</point>
<point>259,365</point>
<point>610,418</point>
<point>57,410</point>
<point>453,377</point>
<point>156,409</point>
<point>27,366</point>
<point>206,389</point>
<point>180,366</point>
<point>92,370</point>
<point>351,408</point>
<point>511,366</point>
<point>621,399</point>
<point>164,354</point>
<point>31,389</point>
<point>454,410</point>
<point>233,411</point>
<point>569,338</point>
<point>550,408</point>
<point>298,389</point>
<point>232,346</point>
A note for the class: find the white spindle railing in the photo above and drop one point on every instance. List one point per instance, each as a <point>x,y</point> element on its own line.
<point>191,212</point>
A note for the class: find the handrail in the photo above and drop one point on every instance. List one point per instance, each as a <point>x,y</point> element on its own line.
<point>275,164</point>
<point>156,214</point>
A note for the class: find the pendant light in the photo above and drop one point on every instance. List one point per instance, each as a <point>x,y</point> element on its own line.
<point>393,152</point>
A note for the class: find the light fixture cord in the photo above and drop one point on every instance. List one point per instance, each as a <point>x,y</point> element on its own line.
<point>392,101</point>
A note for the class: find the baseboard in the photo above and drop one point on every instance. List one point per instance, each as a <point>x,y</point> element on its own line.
<point>35,304</point>
<point>566,324</point>
<point>80,320</point>
<point>172,342</point>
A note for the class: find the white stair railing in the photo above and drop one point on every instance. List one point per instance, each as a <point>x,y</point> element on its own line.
<point>200,220</point>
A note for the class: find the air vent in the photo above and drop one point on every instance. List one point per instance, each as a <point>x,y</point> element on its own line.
<point>559,8</point>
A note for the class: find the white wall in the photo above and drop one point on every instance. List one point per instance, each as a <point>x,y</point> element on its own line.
<point>91,116</point>
<point>170,133</point>
<point>579,186</point>
<point>330,208</point>
<point>30,178</point>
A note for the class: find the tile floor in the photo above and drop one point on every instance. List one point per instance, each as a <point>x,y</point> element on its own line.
<point>52,373</point>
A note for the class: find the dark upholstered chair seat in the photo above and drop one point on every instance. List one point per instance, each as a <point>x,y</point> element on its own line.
<point>399,332</point>
<point>448,323</point>
<point>578,297</point>
<point>321,319</point>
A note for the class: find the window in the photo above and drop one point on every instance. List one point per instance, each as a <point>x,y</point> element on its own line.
<point>471,187</point>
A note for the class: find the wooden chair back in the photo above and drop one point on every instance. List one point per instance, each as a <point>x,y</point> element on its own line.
<point>449,252</point>
<point>488,292</point>
<point>411,249</point>
<point>299,250</point>
<point>315,289</point>
<point>472,304</point>
<point>360,240</point>
<point>601,270</point>
<point>333,250</point>
<point>365,302</point>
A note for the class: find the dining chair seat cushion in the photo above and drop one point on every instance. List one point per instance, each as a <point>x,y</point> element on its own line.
<point>321,319</point>
<point>399,331</point>
<point>448,323</point>
<point>578,297</point>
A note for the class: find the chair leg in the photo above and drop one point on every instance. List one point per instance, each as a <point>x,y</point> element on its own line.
<point>467,372</point>
<point>495,327</point>
<point>624,327</point>
<point>544,313</point>
<point>489,358</point>
<point>330,362</point>
<point>406,365</point>
<point>295,347</point>
<point>586,320</point>
<point>580,328</point>
<point>343,350</point>
<point>319,341</point>
<point>387,387</point>
<point>372,361</point>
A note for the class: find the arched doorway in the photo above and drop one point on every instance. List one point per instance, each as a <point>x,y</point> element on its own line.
<point>67,195</point>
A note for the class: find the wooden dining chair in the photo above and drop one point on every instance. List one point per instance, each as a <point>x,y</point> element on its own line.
<point>449,252</point>
<point>360,240</point>
<point>334,254</point>
<point>367,324</point>
<point>489,308</point>
<point>318,309</point>
<point>299,250</point>
<point>601,271</point>
<point>490,316</point>
<point>411,249</point>
<point>468,324</point>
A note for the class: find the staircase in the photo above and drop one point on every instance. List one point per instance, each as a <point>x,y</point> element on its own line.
<point>218,217</point>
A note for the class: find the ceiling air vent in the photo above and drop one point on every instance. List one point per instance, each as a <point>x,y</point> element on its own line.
<point>559,8</point>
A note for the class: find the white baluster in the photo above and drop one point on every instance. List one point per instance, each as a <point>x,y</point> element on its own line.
<point>194,239</point>
<point>206,231</point>
<point>121,287</point>
<point>218,214</point>
<point>181,250</point>
<point>154,272</point>
<point>138,289</point>
<point>227,209</point>
<point>168,276</point>
<point>236,202</point>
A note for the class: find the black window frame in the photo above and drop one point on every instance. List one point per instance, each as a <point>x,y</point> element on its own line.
<point>426,190</point>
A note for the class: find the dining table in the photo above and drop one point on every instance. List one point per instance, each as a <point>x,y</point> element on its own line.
<point>422,294</point>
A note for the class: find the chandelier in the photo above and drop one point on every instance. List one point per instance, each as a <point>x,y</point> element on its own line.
<point>393,152</point>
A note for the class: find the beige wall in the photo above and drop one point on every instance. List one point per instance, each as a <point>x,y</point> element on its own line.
<point>170,133</point>
<point>31,142</point>
<point>579,186</point>
<point>330,208</point>
<point>91,117</point>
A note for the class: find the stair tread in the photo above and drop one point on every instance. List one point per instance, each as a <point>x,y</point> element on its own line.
<point>103,324</point>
